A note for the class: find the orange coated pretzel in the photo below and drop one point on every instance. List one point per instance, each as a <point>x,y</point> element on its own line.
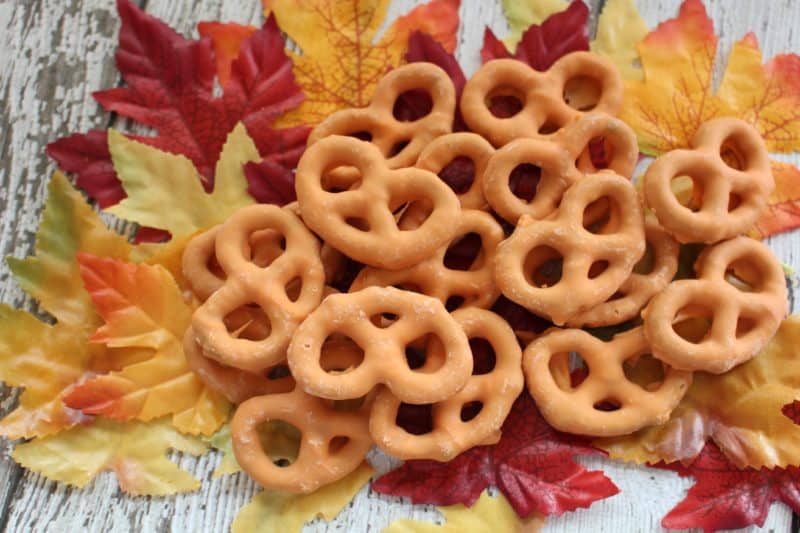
<point>542,95</point>
<point>357,315</point>
<point>333,441</point>
<point>740,287</point>
<point>639,288</point>
<point>607,402</point>
<point>297,269</point>
<point>399,142</point>
<point>593,265</point>
<point>494,392</point>
<point>731,200</point>
<point>445,149</point>
<point>360,221</point>
<point>433,277</point>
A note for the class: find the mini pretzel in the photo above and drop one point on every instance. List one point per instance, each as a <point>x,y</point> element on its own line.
<point>384,347</point>
<point>731,200</point>
<point>743,319</point>
<point>451,435</point>
<point>373,202</point>
<point>618,247</point>
<point>333,441</point>
<point>443,150</point>
<point>432,277</point>
<point>263,284</point>
<point>581,409</point>
<point>638,289</point>
<point>542,95</point>
<point>399,142</point>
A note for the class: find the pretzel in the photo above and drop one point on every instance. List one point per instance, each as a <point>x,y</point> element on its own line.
<point>384,356</point>
<point>333,441</point>
<point>619,139</point>
<point>542,95</point>
<point>730,199</point>
<point>639,288</point>
<point>584,409</point>
<point>399,142</point>
<point>445,149</point>
<point>286,289</point>
<point>740,287</point>
<point>373,201</point>
<point>494,391</point>
<point>618,246</point>
<point>432,277</point>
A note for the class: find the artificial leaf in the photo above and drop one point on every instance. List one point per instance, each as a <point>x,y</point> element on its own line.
<point>135,452</point>
<point>726,497</point>
<point>170,81</point>
<point>522,13</point>
<point>741,411</point>
<point>541,45</point>
<point>46,359</point>
<point>271,511</point>
<point>342,56</point>
<point>269,183</point>
<point>163,189</point>
<point>783,209</point>
<point>227,39</point>
<point>221,441</point>
<point>144,309</point>
<point>489,514</point>
<point>532,465</point>
<point>620,28</point>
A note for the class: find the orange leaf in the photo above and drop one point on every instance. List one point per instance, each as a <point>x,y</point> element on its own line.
<point>783,211</point>
<point>144,309</point>
<point>341,62</point>
<point>226,37</point>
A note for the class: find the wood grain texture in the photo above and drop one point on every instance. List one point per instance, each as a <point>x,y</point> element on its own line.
<point>53,54</point>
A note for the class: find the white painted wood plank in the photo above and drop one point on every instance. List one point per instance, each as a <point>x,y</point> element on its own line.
<point>41,505</point>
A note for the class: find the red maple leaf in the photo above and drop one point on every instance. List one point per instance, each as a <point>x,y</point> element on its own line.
<point>725,497</point>
<point>540,46</point>
<point>170,87</point>
<point>532,465</point>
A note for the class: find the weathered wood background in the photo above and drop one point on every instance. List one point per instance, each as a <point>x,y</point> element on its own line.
<point>54,53</point>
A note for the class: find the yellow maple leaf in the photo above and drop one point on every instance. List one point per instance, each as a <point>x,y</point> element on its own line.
<point>620,28</point>
<point>135,452</point>
<point>342,57</point>
<point>144,309</point>
<point>165,190</point>
<point>46,359</point>
<point>520,14</point>
<point>270,511</point>
<point>740,410</point>
<point>487,515</point>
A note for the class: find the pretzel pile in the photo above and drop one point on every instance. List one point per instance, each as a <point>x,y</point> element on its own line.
<point>575,244</point>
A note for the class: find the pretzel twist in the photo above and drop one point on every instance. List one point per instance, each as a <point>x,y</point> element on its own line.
<point>384,347</point>
<point>731,200</point>
<point>744,313</point>
<point>542,95</point>
<point>432,277</point>
<point>617,247</point>
<point>373,201</point>
<point>266,285</point>
<point>333,441</point>
<point>386,132</point>
<point>452,434</point>
<point>638,289</point>
<point>581,409</point>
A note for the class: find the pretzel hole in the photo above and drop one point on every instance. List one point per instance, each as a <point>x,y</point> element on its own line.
<point>340,354</point>
<point>745,276</point>
<point>688,192</point>
<point>465,253</point>
<point>731,153</point>
<point>734,201</point>
<point>647,263</point>
<point>248,322</point>
<point>561,369</point>
<point>598,154</point>
<point>582,92</point>
<point>415,419</point>
<point>293,288</point>
<point>340,179</point>
<point>745,325</point>
<point>608,405</point>
<point>459,174</point>
<point>602,216</point>
<point>397,147</point>
<point>505,102</point>
<point>454,302</point>
<point>597,268</point>
<point>336,444</point>
<point>425,354</point>
<point>359,223</point>
<point>524,181</point>
<point>213,266</point>
<point>383,320</point>
<point>483,357</point>
<point>265,246</point>
<point>470,410</point>
<point>278,372</point>
<point>542,267</point>
<point>550,125</point>
<point>694,323</point>
<point>412,105</point>
<point>361,135</point>
<point>280,441</point>
<point>645,371</point>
